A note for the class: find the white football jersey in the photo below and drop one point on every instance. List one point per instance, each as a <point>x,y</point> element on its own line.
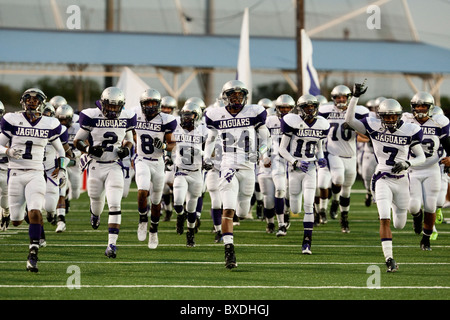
<point>71,133</point>
<point>390,147</point>
<point>105,132</point>
<point>341,139</point>
<point>31,138</point>
<point>278,163</point>
<point>189,147</point>
<point>434,129</point>
<point>238,134</point>
<point>146,131</point>
<point>304,137</point>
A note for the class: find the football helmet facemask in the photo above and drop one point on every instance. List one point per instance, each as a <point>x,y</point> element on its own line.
<point>150,101</point>
<point>112,100</point>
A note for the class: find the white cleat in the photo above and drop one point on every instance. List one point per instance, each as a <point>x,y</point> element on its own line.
<point>142,231</point>
<point>61,226</point>
<point>153,240</point>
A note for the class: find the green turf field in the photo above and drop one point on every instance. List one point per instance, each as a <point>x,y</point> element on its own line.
<point>342,266</point>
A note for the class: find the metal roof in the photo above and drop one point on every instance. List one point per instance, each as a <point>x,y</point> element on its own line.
<point>198,51</point>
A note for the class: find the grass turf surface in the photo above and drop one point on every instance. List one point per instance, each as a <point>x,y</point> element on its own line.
<point>269,268</point>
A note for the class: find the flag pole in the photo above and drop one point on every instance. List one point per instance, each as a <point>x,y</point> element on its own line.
<point>300,26</point>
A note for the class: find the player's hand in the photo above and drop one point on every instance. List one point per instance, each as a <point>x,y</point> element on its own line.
<point>158,144</point>
<point>14,153</point>
<point>322,162</point>
<point>359,89</point>
<point>96,151</point>
<point>400,166</point>
<point>266,162</point>
<point>207,164</point>
<point>301,166</point>
<point>62,181</point>
<point>123,152</point>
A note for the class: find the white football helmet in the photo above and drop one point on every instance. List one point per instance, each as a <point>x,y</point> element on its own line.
<point>308,107</point>
<point>282,103</point>
<point>419,99</point>
<point>341,91</point>
<point>57,101</point>
<point>150,101</point>
<point>32,101</point>
<point>169,102</point>
<point>387,108</point>
<point>48,110</point>
<point>64,114</point>
<point>266,103</point>
<point>197,101</point>
<point>190,115</point>
<point>229,97</point>
<point>112,100</point>
<point>321,99</point>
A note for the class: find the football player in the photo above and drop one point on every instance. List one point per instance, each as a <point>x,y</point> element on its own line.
<point>301,146</point>
<point>425,179</point>
<point>108,129</point>
<point>341,147</point>
<point>188,183</point>
<point>272,179</point>
<point>170,106</point>
<point>64,113</point>
<point>4,184</point>
<point>23,138</point>
<point>56,178</point>
<point>239,125</point>
<point>153,136</point>
<point>392,141</point>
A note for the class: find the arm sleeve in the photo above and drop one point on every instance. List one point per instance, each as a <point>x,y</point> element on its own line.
<point>59,148</point>
<point>350,117</point>
<point>265,140</point>
<point>285,140</point>
<point>419,155</point>
<point>210,143</point>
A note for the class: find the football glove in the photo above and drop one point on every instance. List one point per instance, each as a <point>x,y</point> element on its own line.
<point>14,153</point>
<point>322,162</point>
<point>302,165</point>
<point>123,152</point>
<point>158,144</point>
<point>400,166</point>
<point>96,151</point>
<point>207,164</point>
<point>359,89</point>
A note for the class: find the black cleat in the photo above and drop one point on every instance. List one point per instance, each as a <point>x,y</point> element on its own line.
<point>417,222</point>
<point>425,244</point>
<point>32,260</point>
<point>181,218</point>
<point>190,243</point>
<point>270,228</point>
<point>230,257</point>
<point>391,265</point>
<point>368,200</point>
<point>95,221</point>
<point>333,209</point>
<point>323,216</point>
<point>218,237</point>
<point>344,222</point>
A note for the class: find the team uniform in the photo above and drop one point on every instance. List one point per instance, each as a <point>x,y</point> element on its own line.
<point>304,145</point>
<point>390,183</point>
<point>239,154</point>
<point>104,173</point>
<point>54,184</point>
<point>188,181</point>
<point>149,161</point>
<point>425,179</point>
<point>26,173</point>
<point>273,180</point>
<point>74,174</point>
<point>341,147</point>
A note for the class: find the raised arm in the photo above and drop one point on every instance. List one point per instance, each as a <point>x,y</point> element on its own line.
<point>350,119</point>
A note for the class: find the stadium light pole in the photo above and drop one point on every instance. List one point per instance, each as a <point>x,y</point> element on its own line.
<point>300,25</point>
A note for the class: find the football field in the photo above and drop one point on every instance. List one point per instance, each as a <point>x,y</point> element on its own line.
<point>342,266</point>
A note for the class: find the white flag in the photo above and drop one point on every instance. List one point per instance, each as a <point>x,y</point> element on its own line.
<point>310,78</point>
<point>132,86</point>
<point>243,68</point>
